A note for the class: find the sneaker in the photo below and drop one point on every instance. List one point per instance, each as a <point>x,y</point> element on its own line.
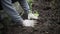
<point>32,16</point>
<point>29,23</point>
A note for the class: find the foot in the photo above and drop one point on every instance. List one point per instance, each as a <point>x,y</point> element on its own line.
<point>29,23</point>
<point>26,23</point>
<point>32,16</point>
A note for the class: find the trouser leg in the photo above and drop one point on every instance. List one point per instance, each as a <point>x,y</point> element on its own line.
<point>25,7</point>
<point>10,10</point>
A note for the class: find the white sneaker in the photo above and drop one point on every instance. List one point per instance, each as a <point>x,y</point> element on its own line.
<point>29,23</point>
<point>32,16</point>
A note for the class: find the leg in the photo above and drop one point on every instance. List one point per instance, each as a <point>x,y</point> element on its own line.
<point>11,11</point>
<point>26,8</point>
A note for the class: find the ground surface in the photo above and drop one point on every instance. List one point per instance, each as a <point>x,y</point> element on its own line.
<point>40,28</point>
<point>44,26</point>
